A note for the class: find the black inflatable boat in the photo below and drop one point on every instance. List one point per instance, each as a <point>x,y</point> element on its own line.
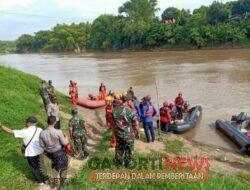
<point>234,133</point>
<point>189,120</point>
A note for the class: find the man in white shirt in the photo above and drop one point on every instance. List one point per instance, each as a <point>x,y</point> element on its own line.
<point>30,136</point>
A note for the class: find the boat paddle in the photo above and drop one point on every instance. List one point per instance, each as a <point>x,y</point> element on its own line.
<point>158,123</point>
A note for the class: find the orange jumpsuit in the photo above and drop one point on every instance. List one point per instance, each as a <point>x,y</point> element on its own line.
<point>102,95</point>
<point>110,123</point>
<point>74,94</point>
<point>109,117</point>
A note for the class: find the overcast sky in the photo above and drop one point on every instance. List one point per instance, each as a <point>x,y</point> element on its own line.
<point>28,16</point>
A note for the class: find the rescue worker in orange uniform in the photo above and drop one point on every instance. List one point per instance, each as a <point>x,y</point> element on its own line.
<point>102,92</point>
<point>165,117</point>
<point>179,103</point>
<point>109,112</point>
<point>74,92</point>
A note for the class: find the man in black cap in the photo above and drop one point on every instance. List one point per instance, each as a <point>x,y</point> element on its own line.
<point>32,148</point>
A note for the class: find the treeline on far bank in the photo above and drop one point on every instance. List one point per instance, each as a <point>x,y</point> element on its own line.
<point>137,27</point>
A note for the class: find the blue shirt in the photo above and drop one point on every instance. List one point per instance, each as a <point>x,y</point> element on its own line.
<point>137,107</point>
<point>144,110</point>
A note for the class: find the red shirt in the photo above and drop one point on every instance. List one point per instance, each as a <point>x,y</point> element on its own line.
<point>179,101</point>
<point>165,114</point>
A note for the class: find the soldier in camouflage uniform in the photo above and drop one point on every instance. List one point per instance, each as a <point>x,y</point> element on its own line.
<point>125,131</point>
<point>43,91</point>
<point>51,90</point>
<point>77,133</point>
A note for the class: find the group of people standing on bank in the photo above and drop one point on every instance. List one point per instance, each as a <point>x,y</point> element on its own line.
<point>51,142</point>
<point>48,95</point>
<point>123,115</point>
<point>145,111</point>
<point>38,143</point>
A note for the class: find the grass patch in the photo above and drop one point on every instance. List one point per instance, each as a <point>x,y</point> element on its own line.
<point>19,99</point>
<point>174,146</point>
<point>244,177</point>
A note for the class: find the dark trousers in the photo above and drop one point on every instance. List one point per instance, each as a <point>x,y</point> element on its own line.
<point>34,165</point>
<point>179,111</point>
<point>164,126</point>
<point>123,147</point>
<point>149,130</point>
<point>58,125</point>
<point>60,164</point>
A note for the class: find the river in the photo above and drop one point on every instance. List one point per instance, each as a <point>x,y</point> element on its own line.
<point>219,80</point>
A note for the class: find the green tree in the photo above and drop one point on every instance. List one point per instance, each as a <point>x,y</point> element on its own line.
<point>40,40</point>
<point>25,44</point>
<point>138,10</point>
<point>218,12</point>
<point>170,13</point>
<point>102,30</point>
<point>200,16</point>
<point>196,38</point>
<point>155,35</point>
<point>241,7</point>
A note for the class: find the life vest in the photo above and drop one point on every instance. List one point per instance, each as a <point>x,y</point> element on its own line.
<point>165,115</point>
<point>150,111</point>
<point>109,109</point>
<point>179,101</point>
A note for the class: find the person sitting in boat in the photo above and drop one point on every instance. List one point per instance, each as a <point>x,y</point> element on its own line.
<point>102,91</point>
<point>172,109</point>
<point>130,92</point>
<point>186,106</point>
<point>165,117</point>
<point>91,97</point>
<point>179,104</point>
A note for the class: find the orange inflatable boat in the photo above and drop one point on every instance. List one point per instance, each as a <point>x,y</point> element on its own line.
<point>92,104</point>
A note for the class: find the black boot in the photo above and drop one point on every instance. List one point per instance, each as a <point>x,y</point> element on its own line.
<point>85,155</point>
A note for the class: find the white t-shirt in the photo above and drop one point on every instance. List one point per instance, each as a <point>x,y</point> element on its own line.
<point>26,134</point>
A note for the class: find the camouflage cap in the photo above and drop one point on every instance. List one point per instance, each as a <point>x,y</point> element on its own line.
<point>74,110</point>
<point>116,103</point>
<point>125,98</point>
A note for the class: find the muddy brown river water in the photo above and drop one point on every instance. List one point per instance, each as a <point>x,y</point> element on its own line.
<point>219,80</point>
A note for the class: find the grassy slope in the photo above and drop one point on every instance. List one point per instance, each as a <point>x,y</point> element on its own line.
<point>19,99</point>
